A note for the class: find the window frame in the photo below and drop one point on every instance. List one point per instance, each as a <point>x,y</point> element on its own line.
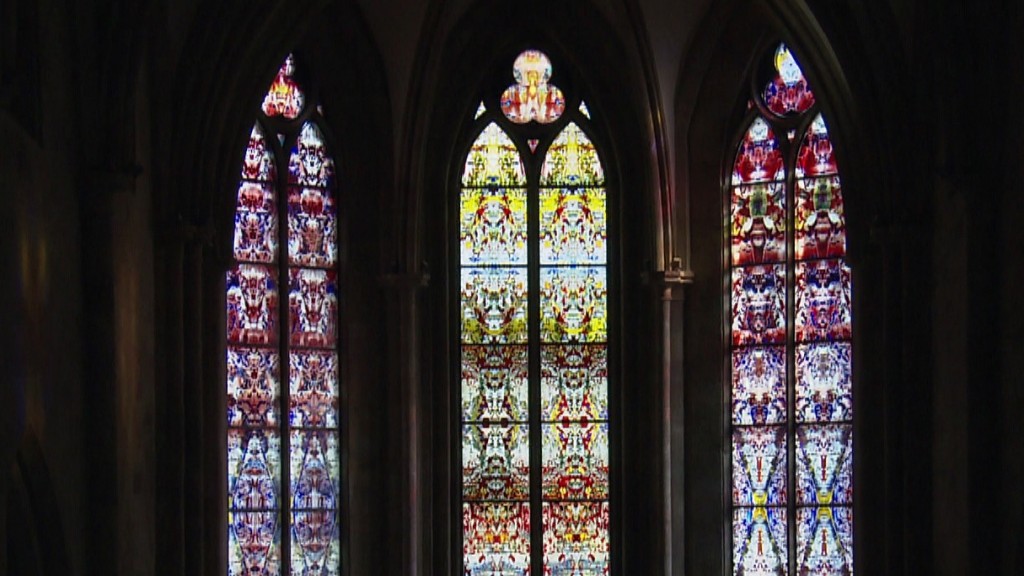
<point>497,77</point>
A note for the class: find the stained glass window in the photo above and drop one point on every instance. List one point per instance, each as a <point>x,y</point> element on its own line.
<point>533,288</point>
<point>791,331</point>
<point>283,412</point>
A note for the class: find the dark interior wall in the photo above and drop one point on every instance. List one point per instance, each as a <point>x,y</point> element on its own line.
<point>121,125</point>
<point>43,385</point>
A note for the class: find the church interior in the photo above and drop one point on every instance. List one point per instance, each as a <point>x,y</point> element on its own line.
<point>124,125</point>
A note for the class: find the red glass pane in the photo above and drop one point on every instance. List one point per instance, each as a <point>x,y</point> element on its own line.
<point>574,382</point>
<point>285,97</point>
<point>824,464</point>
<point>258,163</point>
<point>820,223</point>
<point>822,301</point>
<point>251,305</point>
<point>255,223</point>
<point>758,224</point>
<point>759,466</point>
<point>759,385</point>
<point>252,386</point>
<point>815,157</point>
<point>496,539</point>
<point>759,305</point>
<point>314,389</point>
<point>253,543</point>
<point>313,307</point>
<point>576,538</point>
<point>758,158</point>
<point>495,461</point>
<point>575,461</point>
<point>788,92</point>
<point>494,383</point>
<point>312,227</point>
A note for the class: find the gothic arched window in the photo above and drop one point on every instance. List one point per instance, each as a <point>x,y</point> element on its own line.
<point>282,297</point>
<point>533,363</point>
<point>791,392</point>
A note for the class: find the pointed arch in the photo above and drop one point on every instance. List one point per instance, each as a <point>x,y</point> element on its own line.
<point>283,396</point>
<point>790,315</point>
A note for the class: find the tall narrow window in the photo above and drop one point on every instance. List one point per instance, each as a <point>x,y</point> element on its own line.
<point>792,407</point>
<point>282,346</point>
<point>534,410</point>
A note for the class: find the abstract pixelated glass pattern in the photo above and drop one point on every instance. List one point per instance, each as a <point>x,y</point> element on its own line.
<point>787,93</point>
<point>493,160</point>
<point>285,97</point>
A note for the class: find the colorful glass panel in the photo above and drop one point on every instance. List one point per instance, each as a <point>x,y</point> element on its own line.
<point>532,98</point>
<point>576,538</point>
<point>480,110</point>
<point>254,468</point>
<point>312,307</point>
<point>312,227</point>
<point>758,158</point>
<point>573,304</point>
<point>495,383</point>
<point>251,305</point>
<point>824,541</point>
<point>574,382</point>
<point>759,466</point>
<point>788,92</point>
<point>253,543</point>
<point>285,97</point>
<point>257,163</point>
<point>257,462</point>
<point>815,157</point>
<point>255,223</point>
<point>758,224</point>
<point>823,391</point>
<point>573,228</point>
<point>313,385</point>
<point>493,161</point>
<point>759,385</point>
<point>315,542</point>
<point>762,203</point>
<point>492,226</point>
<point>495,462</point>
<point>253,383</point>
<point>572,160</point>
<point>822,300</point>
<point>315,469</point>
<point>494,306</point>
<point>824,464</point>
<point>584,110</point>
<point>820,223</point>
<point>496,539</point>
<point>575,461</point>
<point>759,542</point>
<point>759,305</point>
<point>310,164</point>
